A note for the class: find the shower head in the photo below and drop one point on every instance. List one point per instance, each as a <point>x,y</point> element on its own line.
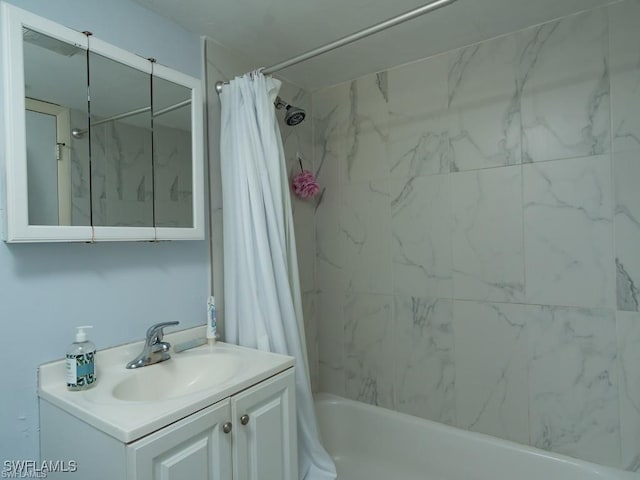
<point>293,115</point>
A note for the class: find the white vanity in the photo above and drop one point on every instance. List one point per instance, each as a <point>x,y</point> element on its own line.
<point>212,412</point>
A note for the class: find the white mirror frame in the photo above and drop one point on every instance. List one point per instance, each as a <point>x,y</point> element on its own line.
<point>16,212</point>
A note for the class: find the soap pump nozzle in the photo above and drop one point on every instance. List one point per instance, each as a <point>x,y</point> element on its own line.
<point>81,335</point>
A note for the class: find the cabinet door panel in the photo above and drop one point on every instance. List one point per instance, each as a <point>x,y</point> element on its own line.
<point>195,448</point>
<point>265,448</point>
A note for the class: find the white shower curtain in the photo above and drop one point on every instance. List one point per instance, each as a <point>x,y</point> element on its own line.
<point>263,306</point>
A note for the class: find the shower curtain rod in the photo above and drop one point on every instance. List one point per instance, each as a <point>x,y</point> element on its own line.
<point>79,132</point>
<point>378,27</point>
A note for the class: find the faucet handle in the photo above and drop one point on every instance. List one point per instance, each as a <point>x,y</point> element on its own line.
<point>155,332</point>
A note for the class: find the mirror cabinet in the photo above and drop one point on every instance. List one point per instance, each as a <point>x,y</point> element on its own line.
<point>100,144</point>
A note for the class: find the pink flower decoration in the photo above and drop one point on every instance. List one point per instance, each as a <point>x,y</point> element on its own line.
<point>305,184</point>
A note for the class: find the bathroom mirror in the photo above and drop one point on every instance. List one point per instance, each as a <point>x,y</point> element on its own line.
<point>55,92</point>
<point>121,161</point>
<point>173,199</point>
<point>44,86</point>
<point>112,165</point>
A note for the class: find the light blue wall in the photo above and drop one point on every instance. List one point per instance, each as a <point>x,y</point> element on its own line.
<point>120,288</point>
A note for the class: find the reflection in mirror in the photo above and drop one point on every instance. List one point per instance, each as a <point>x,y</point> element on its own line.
<point>173,186</point>
<point>55,75</point>
<point>121,163</point>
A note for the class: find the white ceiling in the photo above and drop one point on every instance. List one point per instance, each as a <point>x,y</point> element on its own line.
<point>271,31</point>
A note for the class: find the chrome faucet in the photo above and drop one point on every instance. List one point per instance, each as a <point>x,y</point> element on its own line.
<point>155,350</point>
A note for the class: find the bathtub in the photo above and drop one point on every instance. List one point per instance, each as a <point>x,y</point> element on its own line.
<point>372,443</point>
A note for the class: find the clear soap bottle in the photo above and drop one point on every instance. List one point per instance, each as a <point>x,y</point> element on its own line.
<point>80,362</point>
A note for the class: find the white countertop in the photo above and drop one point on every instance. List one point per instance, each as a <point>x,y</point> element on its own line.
<point>130,420</point>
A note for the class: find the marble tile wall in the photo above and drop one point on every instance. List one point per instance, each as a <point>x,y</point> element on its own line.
<point>122,179</point>
<point>121,175</point>
<point>173,195</point>
<point>477,255</point>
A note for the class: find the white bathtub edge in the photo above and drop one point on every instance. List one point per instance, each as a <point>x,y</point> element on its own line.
<point>605,471</point>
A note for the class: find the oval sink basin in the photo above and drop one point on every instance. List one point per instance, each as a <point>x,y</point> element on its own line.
<point>182,374</point>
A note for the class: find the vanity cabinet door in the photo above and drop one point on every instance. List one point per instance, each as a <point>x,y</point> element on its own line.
<point>195,448</point>
<point>264,424</point>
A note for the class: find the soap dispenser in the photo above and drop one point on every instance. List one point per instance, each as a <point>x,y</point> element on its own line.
<point>80,362</point>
